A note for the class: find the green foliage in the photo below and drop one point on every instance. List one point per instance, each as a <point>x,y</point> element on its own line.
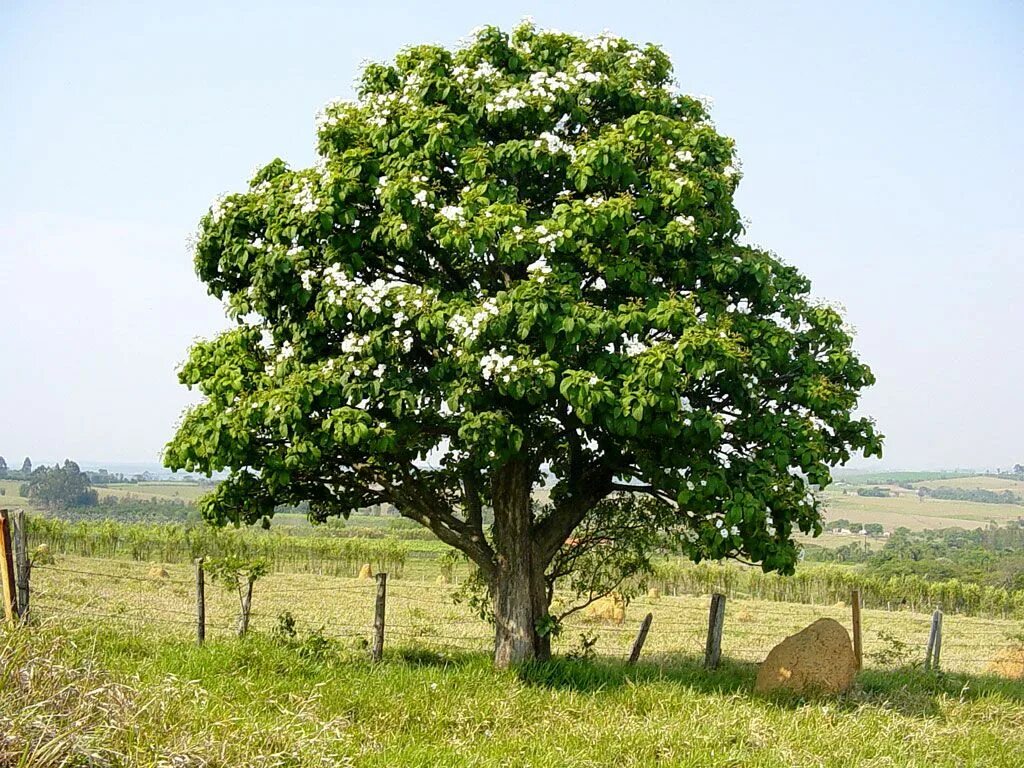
<point>177,543</point>
<point>59,486</point>
<point>611,550</point>
<point>875,492</point>
<point>828,584</point>
<point>233,570</point>
<point>889,650</point>
<point>525,250</point>
<point>584,649</point>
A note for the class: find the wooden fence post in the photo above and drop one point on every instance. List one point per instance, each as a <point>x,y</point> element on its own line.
<point>6,568</point>
<point>858,648</point>
<point>716,622</point>
<point>200,602</point>
<point>931,658</point>
<point>377,651</point>
<point>641,638</point>
<point>22,564</point>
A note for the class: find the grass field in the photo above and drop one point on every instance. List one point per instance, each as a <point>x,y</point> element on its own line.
<point>187,492</point>
<point>917,514</point>
<point>120,689</point>
<point>421,611</point>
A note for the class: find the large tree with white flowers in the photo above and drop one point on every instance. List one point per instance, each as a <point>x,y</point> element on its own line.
<point>518,262</point>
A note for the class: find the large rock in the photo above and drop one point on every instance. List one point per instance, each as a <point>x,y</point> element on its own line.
<point>818,659</point>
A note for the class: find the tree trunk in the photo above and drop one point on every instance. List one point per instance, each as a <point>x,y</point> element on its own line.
<point>520,594</point>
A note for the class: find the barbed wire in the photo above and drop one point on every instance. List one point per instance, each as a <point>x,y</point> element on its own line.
<point>125,576</point>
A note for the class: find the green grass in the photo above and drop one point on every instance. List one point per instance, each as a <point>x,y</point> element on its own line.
<point>10,499</point>
<point>78,591</point>
<point>142,700</point>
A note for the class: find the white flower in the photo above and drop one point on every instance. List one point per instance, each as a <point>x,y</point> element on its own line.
<point>304,198</point>
<point>555,144</point>
<point>420,199</point>
<point>493,363</point>
<point>633,345</point>
<point>220,204</point>
<point>685,221</point>
<point>453,213</point>
<point>539,267</point>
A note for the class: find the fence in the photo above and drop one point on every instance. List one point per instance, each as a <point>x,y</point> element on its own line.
<point>372,615</point>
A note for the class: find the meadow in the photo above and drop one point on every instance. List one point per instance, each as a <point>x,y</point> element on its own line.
<point>109,674</point>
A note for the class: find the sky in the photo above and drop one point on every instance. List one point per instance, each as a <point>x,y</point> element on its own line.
<point>881,149</point>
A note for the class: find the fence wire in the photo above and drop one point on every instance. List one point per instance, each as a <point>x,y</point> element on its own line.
<point>425,616</point>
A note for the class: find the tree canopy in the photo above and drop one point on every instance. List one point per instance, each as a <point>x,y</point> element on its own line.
<point>513,262</point>
<point>59,486</point>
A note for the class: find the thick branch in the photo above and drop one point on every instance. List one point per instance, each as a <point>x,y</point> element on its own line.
<point>550,533</point>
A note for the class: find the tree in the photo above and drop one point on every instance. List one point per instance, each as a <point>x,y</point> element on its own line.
<point>60,487</point>
<point>3,468</point>
<point>26,466</point>
<point>239,573</point>
<point>515,260</point>
<point>1018,469</point>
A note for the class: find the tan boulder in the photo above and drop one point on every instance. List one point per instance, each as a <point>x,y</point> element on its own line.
<point>818,659</point>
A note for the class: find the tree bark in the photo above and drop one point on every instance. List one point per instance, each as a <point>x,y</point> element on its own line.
<point>520,593</point>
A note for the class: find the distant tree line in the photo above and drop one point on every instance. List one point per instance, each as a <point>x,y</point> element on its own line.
<point>6,473</point>
<point>875,492</point>
<point>971,494</point>
<point>841,523</point>
<point>59,486</point>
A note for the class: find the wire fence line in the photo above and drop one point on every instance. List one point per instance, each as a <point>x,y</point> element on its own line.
<point>424,616</point>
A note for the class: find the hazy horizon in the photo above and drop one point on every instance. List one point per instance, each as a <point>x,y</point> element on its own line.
<point>880,147</point>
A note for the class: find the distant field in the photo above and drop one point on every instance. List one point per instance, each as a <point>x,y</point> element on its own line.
<point>909,511</point>
<point>187,492</point>
<point>978,482</point>
<point>888,478</point>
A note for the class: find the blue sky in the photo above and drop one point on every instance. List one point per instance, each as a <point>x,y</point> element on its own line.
<point>881,153</point>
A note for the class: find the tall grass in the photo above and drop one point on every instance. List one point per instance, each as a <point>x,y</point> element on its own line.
<point>180,543</point>
<point>825,584</point>
<point>110,698</point>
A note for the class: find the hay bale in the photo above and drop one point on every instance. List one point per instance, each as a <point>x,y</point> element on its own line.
<point>654,593</point>
<point>608,608</point>
<point>156,572</point>
<point>442,580</point>
<point>818,659</point>
<point>744,616</point>
<point>1009,662</point>
<point>366,572</point>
